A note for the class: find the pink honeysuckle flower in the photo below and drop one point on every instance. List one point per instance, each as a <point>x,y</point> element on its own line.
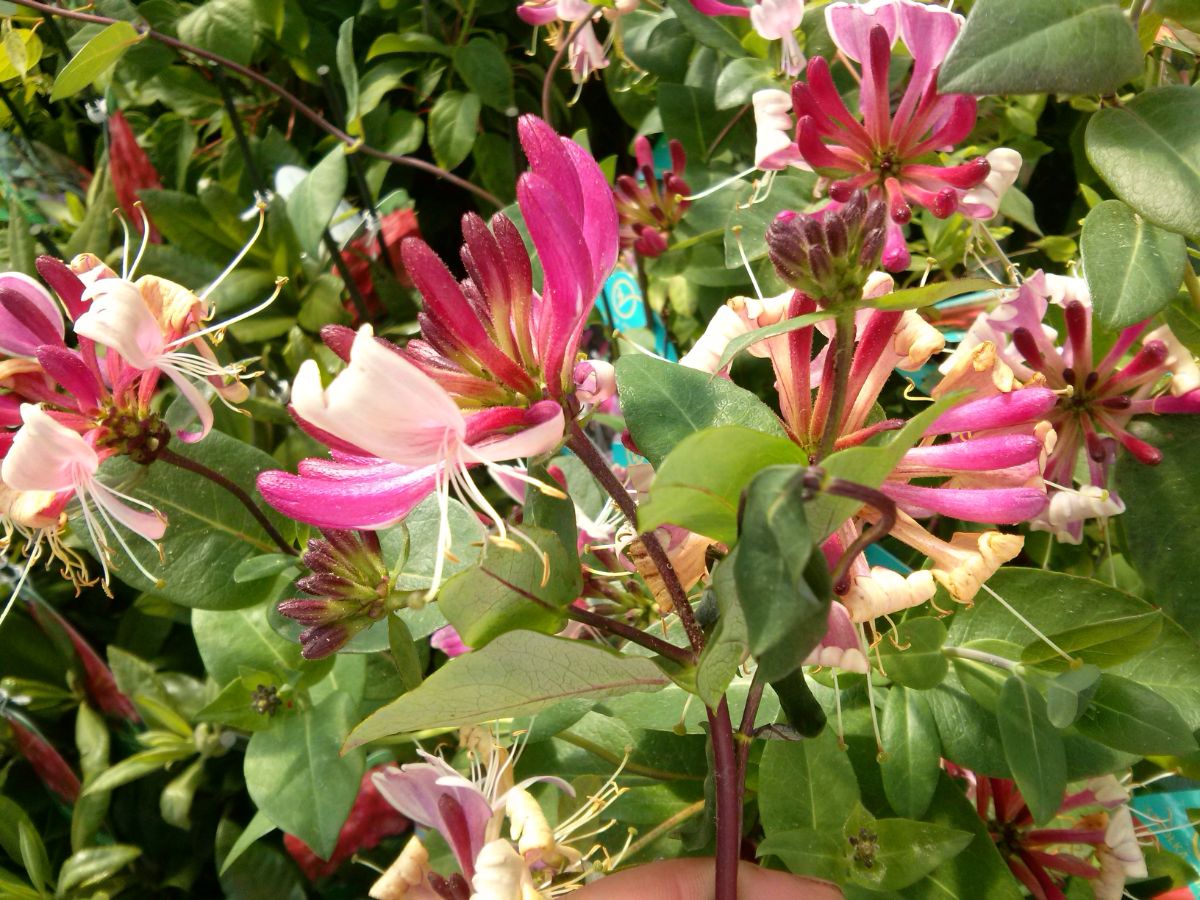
<point>49,457</point>
<point>563,17</point>
<point>470,813</point>
<point>775,144</point>
<point>773,20</point>
<point>891,154</point>
<point>415,425</point>
<point>1097,398</point>
<point>118,318</point>
<point>448,640</point>
<point>647,213</point>
<point>29,316</point>
<point>777,20</point>
<point>980,461</point>
<point>1092,837</point>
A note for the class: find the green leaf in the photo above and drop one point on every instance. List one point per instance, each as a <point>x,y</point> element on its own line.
<point>1102,644</point>
<point>404,653</point>
<point>1029,46</point>
<point>221,26</point>
<point>750,338</point>
<point>518,673</point>
<point>1161,525</point>
<point>94,59</point>
<point>1067,696</point>
<point>139,765</point>
<point>1133,268</point>
<point>234,707</point>
<point>929,294</point>
<point>1055,602</point>
<point>233,639</point>
<point>707,30</point>
<point>699,485</point>
<point>911,654</point>
<point>511,589</point>
<point>487,73</point>
<point>258,827</point>
<point>818,854</point>
<point>906,851</point>
<point>453,125</point>
<point>1149,154</point>
<point>801,710</point>
<point>1033,747</point>
<point>22,249</point>
<point>659,44</point>
<point>347,70</point>
<point>783,586</point>
<point>868,466</point>
<point>728,644</point>
<point>22,842</point>
<point>312,204</point>
<point>263,871</point>
<point>1127,716</point>
<point>88,868</point>
<point>978,871</point>
<point>266,566</point>
<point>664,402</point>
<point>408,42</point>
<point>805,784</point>
<point>739,80</point>
<point>298,779</point>
<point>913,752</point>
<point>209,533</point>
<point>688,115</point>
<point>175,802</point>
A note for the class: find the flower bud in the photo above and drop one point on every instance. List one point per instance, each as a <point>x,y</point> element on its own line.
<point>836,234</point>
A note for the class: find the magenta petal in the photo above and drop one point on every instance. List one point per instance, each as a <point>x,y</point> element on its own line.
<point>980,454</point>
<point>353,492</point>
<point>993,506</point>
<point>601,225</point>
<point>69,370</point>
<point>65,283</point>
<point>1185,403</point>
<point>717,8</point>
<point>1003,410</point>
<point>548,158</point>
<point>339,339</point>
<point>29,317</point>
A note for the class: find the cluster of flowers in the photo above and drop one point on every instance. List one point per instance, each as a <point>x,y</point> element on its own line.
<point>68,408</point>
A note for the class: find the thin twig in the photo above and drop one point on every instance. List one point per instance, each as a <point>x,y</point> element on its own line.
<point>634,635</point>
<point>278,90</point>
<point>729,801</point>
<point>169,456</point>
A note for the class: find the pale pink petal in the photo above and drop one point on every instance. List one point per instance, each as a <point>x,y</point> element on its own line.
<point>543,433</point>
<point>29,317</point>
<point>119,319</point>
<point>382,403</point>
<point>46,455</point>
<point>850,25</point>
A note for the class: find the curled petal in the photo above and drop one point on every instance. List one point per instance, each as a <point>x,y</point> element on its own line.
<point>884,591</point>
<point>29,317</point>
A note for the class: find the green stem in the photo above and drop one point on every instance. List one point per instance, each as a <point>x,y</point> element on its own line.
<point>1192,283</point>
<point>990,659</point>
<point>843,355</point>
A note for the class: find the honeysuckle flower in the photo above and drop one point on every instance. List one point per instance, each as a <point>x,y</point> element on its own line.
<point>516,863</point>
<point>563,17</point>
<point>773,20</point>
<point>891,153</point>
<point>1092,837</point>
<point>983,201</point>
<point>416,427</point>
<point>492,377</point>
<point>647,213</point>
<point>49,457</point>
<point>448,640</point>
<point>775,142</point>
<point>119,318</point>
<point>29,316</point>
<point>1097,398</point>
<point>980,461</point>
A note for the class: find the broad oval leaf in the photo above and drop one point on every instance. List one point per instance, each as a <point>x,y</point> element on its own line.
<point>1148,152</point>
<point>518,673</point>
<point>664,402</point>
<point>1031,46</point>
<point>1133,268</point>
<point>94,59</point>
<point>1128,716</point>
<point>1033,747</point>
<point>913,752</point>
<point>911,654</point>
<point>297,777</point>
<point>812,784</point>
<point>311,206</point>
<point>453,123</point>
<point>487,73</point>
<point>906,851</point>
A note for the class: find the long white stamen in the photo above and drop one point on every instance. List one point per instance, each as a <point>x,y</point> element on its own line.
<point>866,651</point>
<point>95,496</point>
<point>145,239</point>
<point>442,488</point>
<point>837,706</point>
<point>1024,621</point>
<point>721,184</point>
<point>262,219</point>
<point>737,236</point>
<point>35,552</point>
<point>124,244</point>
<point>279,283</point>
